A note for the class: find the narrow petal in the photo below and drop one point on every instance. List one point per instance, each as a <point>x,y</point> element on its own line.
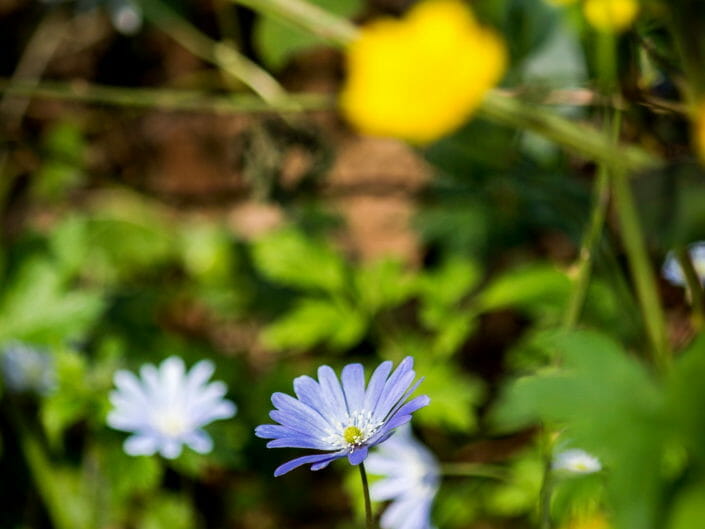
<point>140,445</point>
<point>358,455</point>
<point>414,404</point>
<point>406,395</point>
<point>317,459</point>
<point>332,393</point>
<point>377,380</point>
<point>310,393</point>
<point>170,448</point>
<point>199,441</point>
<point>393,392</point>
<point>296,411</point>
<point>274,431</point>
<point>353,378</point>
<point>298,441</point>
<point>199,375</point>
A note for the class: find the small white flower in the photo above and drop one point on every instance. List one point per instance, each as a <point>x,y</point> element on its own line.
<point>27,369</point>
<point>167,407</point>
<point>577,462</point>
<point>411,479</point>
<point>672,271</point>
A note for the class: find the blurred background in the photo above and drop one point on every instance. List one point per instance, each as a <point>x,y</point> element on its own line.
<point>150,206</point>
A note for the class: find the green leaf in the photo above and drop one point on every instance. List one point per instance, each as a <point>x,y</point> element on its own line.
<point>454,397</point>
<point>289,258</point>
<point>383,284</point>
<point>277,40</point>
<point>38,306</point>
<point>535,288</point>
<point>315,321</point>
<point>686,394</point>
<point>689,509</point>
<point>610,406</point>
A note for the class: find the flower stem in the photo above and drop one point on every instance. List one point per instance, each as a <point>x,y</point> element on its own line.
<point>583,267</point>
<point>167,99</point>
<point>644,281</point>
<point>230,61</point>
<point>369,522</point>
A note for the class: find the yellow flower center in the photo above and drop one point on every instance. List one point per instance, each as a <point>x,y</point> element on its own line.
<point>352,435</point>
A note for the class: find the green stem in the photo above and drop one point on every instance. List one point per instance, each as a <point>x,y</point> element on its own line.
<point>473,470</point>
<point>546,491</point>
<point>312,18</point>
<point>226,58</point>
<point>369,521</point>
<point>642,274</point>
<point>695,287</point>
<point>496,106</point>
<point>579,138</point>
<point>583,267</point>
<point>177,100</point>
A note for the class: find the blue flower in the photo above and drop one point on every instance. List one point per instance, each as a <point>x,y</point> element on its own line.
<point>342,420</point>
<point>672,269</point>
<point>168,407</point>
<point>27,369</point>
<point>411,479</point>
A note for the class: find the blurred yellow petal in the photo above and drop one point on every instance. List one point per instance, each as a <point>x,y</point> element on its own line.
<point>420,77</point>
<point>612,16</point>
<point>561,2</point>
<point>597,521</point>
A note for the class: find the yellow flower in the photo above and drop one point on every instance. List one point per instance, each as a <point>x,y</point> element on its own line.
<point>597,521</point>
<point>699,131</point>
<point>612,16</point>
<point>420,77</point>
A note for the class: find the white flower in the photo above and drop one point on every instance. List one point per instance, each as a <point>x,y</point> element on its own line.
<point>166,407</point>
<point>27,369</point>
<point>577,462</point>
<point>411,479</point>
<point>672,269</point>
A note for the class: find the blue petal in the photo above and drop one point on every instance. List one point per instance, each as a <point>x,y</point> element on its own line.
<point>310,393</point>
<point>353,378</point>
<point>316,459</point>
<point>298,441</point>
<point>377,380</point>
<point>358,455</point>
<point>295,411</point>
<point>332,393</point>
<point>414,404</point>
<point>394,390</point>
<point>274,431</point>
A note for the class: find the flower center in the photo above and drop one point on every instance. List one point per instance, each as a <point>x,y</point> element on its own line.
<point>171,423</point>
<point>354,431</point>
<point>352,435</point>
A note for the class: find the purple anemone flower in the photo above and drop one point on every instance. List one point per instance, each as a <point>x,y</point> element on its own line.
<point>342,420</point>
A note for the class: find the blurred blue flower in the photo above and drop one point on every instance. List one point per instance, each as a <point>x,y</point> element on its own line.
<point>26,368</point>
<point>576,461</point>
<point>672,269</point>
<point>167,407</point>
<point>125,15</point>
<point>342,420</point>
<point>411,480</point>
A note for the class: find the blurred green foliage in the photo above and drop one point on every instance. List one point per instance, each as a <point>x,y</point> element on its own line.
<point>106,275</point>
